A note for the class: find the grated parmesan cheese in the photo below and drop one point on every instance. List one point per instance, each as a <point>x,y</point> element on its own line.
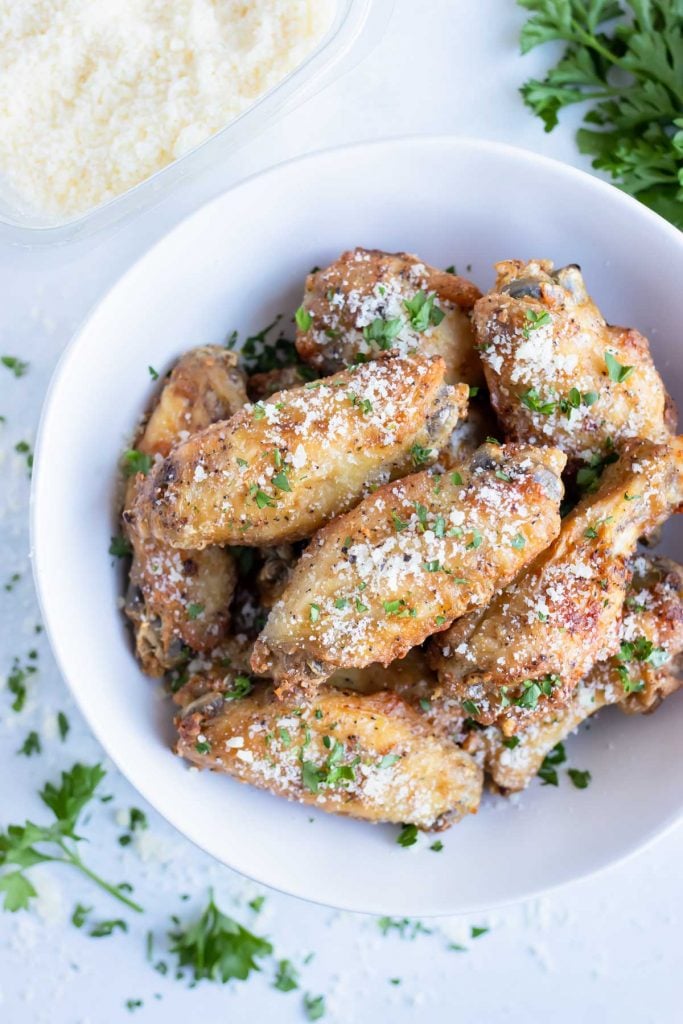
<point>96,95</point>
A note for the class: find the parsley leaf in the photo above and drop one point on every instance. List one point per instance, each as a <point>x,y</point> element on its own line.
<point>16,366</point>
<point>580,778</point>
<point>630,71</point>
<point>217,947</point>
<point>616,371</point>
<point>18,844</point>
<point>287,977</point>
<point>133,461</point>
<point>407,836</point>
<point>422,311</point>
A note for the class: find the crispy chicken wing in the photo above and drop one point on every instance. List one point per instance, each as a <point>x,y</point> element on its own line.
<point>368,756</point>
<point>182,597</point>
<point>408,560</point>
<point>543,633</point>
<point>280,469</point>
<point>642,673</point>
<point>557,373</point>
<point>368,302</point>
<point>263,385</point>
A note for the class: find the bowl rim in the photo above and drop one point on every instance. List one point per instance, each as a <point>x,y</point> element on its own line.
<point>458,144</point>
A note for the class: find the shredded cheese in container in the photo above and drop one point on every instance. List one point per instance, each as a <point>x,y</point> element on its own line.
<point>97,95</point>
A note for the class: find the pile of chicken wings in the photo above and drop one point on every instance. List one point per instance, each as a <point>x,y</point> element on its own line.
<point>404,559</point>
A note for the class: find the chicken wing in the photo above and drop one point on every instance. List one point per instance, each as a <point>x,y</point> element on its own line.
<point>280,469</point>
<point>368,756</point>
<point>368,302</point>
<point>182,597</point>
<point>408,560</point>
<point>557,373</point>
<point>642,673</point>
<point>541,635</point>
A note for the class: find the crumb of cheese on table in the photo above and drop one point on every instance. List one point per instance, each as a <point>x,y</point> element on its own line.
<point>96,95</point>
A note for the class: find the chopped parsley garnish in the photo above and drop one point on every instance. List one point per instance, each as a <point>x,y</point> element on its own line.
<point>241,687</point>
<point>104,929</point>
<point>303,319</point>
<point>364,404</point>
<point>194,611</point>
<point>18,844</point>
<point>80,915</point>
<point>257,904</point>
<point>433,566</point>
<point>31,745</point>
<point>476,540</point>
<point>120,547</point>
<point>12,581</point>
<point>153,373</point>
<point>615,370</point>
<point>383,332</point>
<point>456,479</point>
<point>420,455</point>
<point>314,1006</point>
<point>281,481</point>
<point>437,846</point>
<point>62,725</point>
<point>422,311</point>
<point>501,475</point>
<point>471,707</point>
<point>518,541</point>
<point>406,927</point>
<point>533,401</point>
<point>388,761</point>
<point>360,607</point>
<point>287,977</point>
<point>17,366</point>
<point>314,612</point>
<point>262,499</point>
<point>533,689</point>
<point>533,320</point>
<point>399,608</point>
<point>581,779</point>
<point>399,524</point>
<point>216,947</point>
<point>476,932</point>
<point>202,747</point>
<point>259,411</point>
<point>134,462</point>
<point>407,836</point>
<point>548,770</point>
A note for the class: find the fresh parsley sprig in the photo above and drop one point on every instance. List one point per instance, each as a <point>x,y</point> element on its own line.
<point>626,61</point>
<point>19,843</point>
<point>216,947</point>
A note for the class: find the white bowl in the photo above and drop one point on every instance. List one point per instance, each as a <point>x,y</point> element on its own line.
<point>235,264</point>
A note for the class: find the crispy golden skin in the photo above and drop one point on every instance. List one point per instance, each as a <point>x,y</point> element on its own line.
<point>543,343</point>
<point>278,470</point>
<point>357,311</point>
<point>413,680</point>
<point>368,756</point>
<point>408,560</point>
<point>182,597</point>
<point>637,679</point>
<point>542,634</point>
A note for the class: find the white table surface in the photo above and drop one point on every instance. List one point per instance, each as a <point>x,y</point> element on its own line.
<point>605,948</point>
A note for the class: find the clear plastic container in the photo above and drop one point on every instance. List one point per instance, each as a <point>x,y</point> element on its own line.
<point>355,28</point>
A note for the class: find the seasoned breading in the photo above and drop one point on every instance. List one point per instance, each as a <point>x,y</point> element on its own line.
<point>369,756</point>
<point>557,373</point>
<point>179,597</point>
<point>408,560</point>
<point>527,651</point>
<point>368,302</point>
<point>280,469</point>
<point>642,673</point>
